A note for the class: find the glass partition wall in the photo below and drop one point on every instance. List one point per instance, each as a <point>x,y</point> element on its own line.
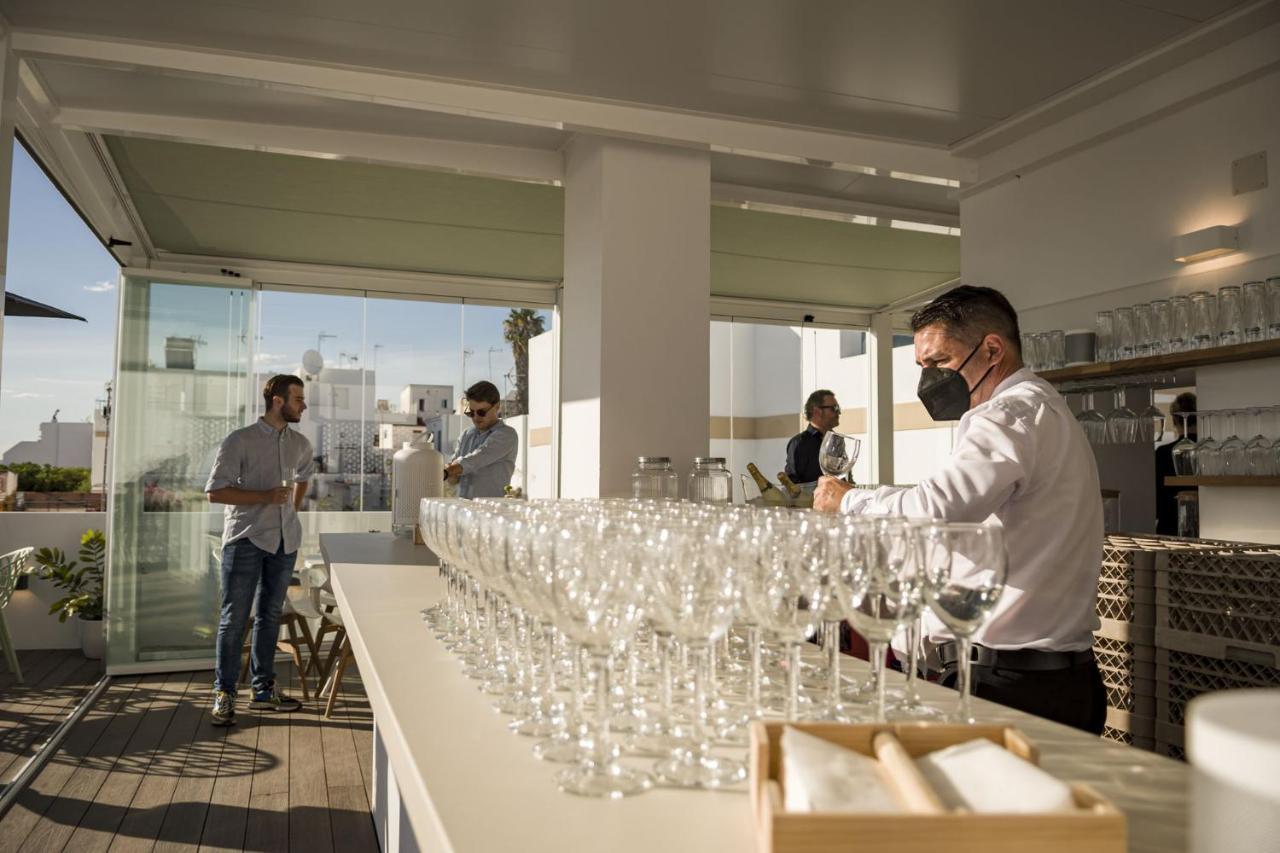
<point>379,369</point>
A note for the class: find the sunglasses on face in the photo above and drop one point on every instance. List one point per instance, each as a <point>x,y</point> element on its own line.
<point>835,409</point>
<point>477,413</point>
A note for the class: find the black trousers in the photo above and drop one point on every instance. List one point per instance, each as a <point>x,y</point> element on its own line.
<point>1075,696</point>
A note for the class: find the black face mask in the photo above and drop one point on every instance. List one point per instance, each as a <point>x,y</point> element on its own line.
<point>944,392</point>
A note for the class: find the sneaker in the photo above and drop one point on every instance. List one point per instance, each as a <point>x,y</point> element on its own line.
<point>224,708</point>
<point>272,699</point>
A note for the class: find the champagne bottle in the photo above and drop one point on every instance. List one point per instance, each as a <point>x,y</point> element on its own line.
<point>769,493</point>
<point>792,489</point>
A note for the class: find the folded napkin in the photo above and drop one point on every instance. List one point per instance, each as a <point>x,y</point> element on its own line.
<point>983,777</point>
<point>823,777</point>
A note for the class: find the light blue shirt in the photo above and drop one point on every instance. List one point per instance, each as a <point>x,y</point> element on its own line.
<point>488,460</point>
<point>259,457</point>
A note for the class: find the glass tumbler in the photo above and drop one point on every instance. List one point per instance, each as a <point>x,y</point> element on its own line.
<point>1057,349</point>
<point>1204,319</point>
<point>1124,339</point>
<point>1254,310</point>
<point>1180,331</point>
<point>1273,307</point>
<point>1230,330</point>
<point>1161,326</point>
<point>1104,324</point>
<point>1142,330</point>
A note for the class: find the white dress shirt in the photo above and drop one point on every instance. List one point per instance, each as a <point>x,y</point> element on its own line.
<point>1022,461</point>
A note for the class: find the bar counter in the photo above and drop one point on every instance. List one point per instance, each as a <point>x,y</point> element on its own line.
<point>450,777</point>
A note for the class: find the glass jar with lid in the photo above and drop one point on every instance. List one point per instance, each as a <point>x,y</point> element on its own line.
<point>654,479</point>
<point>710,481</point>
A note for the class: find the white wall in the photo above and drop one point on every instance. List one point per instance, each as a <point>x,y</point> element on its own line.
<point>1091,226</point>
<point>28,611</point>
<point>65,445</point>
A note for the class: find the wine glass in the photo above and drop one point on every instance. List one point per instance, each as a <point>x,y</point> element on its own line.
<point>693,585</point>
<point>1122,422</point>
<point>883,591</point>
<point>1234,459</point>
<point>1208,459</point>
<point>838,453</point>
<point>1260,448</point>
<point>598,600</point>
<point>1184,460</point>
<point>967,570</point>
<point>1093,422</point>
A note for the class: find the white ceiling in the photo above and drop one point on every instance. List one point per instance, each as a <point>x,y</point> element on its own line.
<point>928,71</point>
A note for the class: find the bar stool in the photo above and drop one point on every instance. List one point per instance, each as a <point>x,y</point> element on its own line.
<point>341,650</point>
<point>12,565</point>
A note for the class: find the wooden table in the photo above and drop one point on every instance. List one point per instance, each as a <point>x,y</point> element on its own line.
<point>450,777</point>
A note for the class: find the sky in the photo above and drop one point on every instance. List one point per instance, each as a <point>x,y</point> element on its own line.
<point>55,259</point>
<point>63,364</point>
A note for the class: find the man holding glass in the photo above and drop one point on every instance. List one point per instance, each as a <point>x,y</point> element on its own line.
<point>261,474</point>
<point>1020,460</point>
<point>823,414</point>
<point>486,455</point>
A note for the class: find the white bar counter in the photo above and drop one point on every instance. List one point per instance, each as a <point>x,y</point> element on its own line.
<point>450,777</point>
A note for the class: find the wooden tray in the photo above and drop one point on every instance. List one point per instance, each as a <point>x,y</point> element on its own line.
<point>1098,826</point>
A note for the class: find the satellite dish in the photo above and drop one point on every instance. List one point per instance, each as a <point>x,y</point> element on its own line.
<point>312,362</point>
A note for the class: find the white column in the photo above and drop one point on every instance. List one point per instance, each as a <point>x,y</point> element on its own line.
<point>8,112</point>
<point>635,357</point>
<point>880,408</point>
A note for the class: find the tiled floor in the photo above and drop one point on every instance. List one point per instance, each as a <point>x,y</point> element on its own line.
<point>144,769</point>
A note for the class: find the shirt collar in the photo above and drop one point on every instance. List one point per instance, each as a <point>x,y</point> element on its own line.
<point>812,430</point>
<point>1022,374</point>
<point>269,429</point>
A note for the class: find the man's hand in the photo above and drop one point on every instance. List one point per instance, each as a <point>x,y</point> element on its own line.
<point>279,495</point>
<point>453,472</point>
<point>829,493</point>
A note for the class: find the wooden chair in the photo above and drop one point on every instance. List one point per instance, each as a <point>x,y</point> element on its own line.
<point>340,652</point>
<point>12,566</point>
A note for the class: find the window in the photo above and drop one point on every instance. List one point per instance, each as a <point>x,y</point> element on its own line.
<point>852,343</point>
<point>761,374</point>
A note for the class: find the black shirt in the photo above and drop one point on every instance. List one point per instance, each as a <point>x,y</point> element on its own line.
<point>802,456</point>
<point>1167,496</point>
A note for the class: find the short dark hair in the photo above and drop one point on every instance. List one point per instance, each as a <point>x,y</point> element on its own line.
<point>278,386</point>
<point>814,401</point>
<point>971,313</point>
<point>483,392</point>
<point>1185,403</point>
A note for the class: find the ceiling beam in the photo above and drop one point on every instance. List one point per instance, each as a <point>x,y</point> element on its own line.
<point>738,194</point>
<point>501,161</point>
<point>643,122</point>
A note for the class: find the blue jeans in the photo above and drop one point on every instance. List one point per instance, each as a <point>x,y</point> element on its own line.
<point>246,570</point>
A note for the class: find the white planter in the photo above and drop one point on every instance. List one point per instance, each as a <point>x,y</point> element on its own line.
<point>92,640</point>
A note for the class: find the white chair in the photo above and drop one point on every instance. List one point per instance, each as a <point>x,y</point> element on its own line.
<point>12,566</point>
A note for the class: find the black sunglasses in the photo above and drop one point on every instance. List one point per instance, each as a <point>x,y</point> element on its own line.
<point>835,409</point>
<point>477,413</point>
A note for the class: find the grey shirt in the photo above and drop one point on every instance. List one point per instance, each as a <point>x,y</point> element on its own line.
<point>258,457</point>
<point>488,460</point>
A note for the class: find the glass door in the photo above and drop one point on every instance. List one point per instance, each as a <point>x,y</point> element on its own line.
<point>183,377</point>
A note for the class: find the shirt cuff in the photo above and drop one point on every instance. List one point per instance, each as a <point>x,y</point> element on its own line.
<point>856,500</point>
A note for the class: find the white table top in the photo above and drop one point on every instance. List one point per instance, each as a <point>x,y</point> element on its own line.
<point>373,548</point>
<point>469,785</point>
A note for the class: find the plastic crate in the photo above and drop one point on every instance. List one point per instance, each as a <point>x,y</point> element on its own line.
<point>1134,729</point>
<point>1181,676</point>
<point>1126,632</point>
<point>1126,589</point>
<point>1128,673</point>
<point>1229,594</point>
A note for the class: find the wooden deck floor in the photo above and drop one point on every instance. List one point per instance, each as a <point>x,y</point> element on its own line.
<point>145,770</point>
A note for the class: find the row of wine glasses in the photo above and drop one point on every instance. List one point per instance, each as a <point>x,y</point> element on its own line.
<point>1229,442</point>
<point>611,630</point>
<point>1121,425</point>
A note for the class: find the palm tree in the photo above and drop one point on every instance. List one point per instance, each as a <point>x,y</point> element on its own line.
<point>519,326</point>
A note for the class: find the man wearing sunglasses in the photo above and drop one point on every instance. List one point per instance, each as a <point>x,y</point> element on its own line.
<point>823,413</point>
<point>486,455</point>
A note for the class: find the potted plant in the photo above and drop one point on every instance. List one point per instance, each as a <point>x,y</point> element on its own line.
<point>82,581</point>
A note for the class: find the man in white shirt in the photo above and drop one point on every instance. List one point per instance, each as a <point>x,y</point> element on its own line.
<point>1021,461</point>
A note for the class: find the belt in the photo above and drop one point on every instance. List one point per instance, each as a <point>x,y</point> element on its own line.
<point>1027,660</point>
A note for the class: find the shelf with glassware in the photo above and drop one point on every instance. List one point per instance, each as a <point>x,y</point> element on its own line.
<point>1223,480</point>
<point>1241,322</point>
<point>1164,363</point>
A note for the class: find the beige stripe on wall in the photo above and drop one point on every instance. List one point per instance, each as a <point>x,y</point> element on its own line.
<point>906,416</point>
<point>540,437</point>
